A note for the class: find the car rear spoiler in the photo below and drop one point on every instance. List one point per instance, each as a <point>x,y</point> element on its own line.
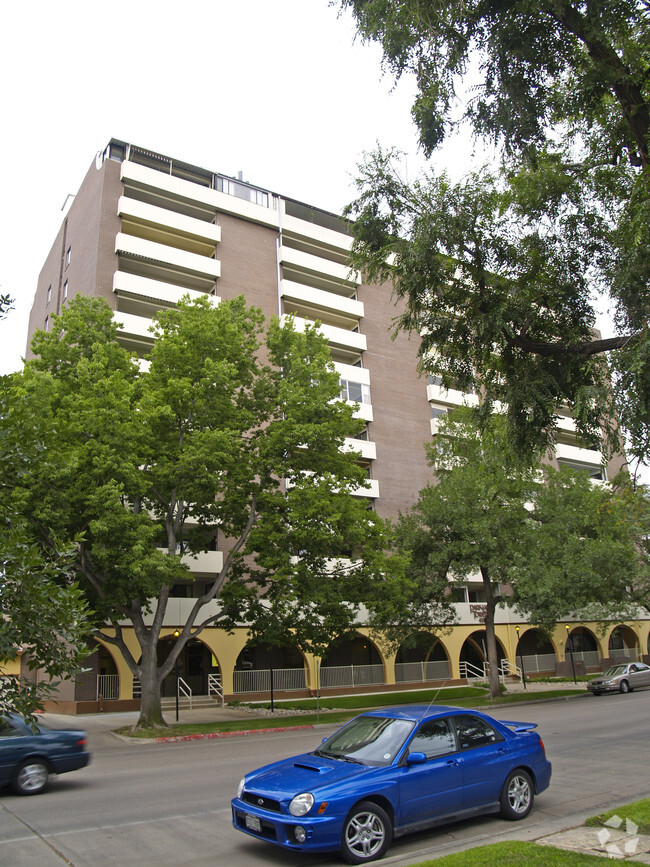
<point>519,726</point>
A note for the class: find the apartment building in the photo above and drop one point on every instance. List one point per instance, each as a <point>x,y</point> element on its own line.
<point>145,229</point>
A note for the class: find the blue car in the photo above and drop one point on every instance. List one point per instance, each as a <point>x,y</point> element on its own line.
<point>389,772</point>
<point>28,757</point>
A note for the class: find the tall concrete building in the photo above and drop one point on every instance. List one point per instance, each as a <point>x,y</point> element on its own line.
<point>145,229</point>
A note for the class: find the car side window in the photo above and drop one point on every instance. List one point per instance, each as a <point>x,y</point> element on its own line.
<point>433,738</point>
<point>7,730</point>
<point>475,732</point>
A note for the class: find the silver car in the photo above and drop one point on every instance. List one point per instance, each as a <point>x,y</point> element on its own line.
<point>621,678</point>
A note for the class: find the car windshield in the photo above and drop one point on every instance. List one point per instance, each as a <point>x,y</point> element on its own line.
<point>369,740</point>
<point>614,671</point>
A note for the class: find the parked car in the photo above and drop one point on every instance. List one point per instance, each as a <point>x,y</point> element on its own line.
<point>621,678</point>
<point>28,757</point>
<point>388,772</point>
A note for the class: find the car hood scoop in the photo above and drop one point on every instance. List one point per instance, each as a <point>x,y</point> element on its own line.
<point>306,772</point>
<point>318,770</point>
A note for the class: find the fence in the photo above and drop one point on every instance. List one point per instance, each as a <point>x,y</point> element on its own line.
<point>537,662</point>
<point>416,672</point>
<point>259,680</point>
<point>108,686</point>
<point>350,675</point>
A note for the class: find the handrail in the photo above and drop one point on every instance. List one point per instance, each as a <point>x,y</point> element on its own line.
<point>184,690</point>
<point>508,668</point>
<point>215,687</point>
<point>467,670</point>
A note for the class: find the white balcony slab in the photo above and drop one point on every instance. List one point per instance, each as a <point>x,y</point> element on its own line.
<point>192,262</point>
<point>451,396</point>
<point>155,290</point>
<point>308,231</point>
<point>574,453</point>
<point>362,411</point>
<point>133,326</point>
<point>365,448</point>
<point>320,299</point>
<point>171,220</point>
<point>352,373</point>
<point>370,489</point>
<point>317,265</point>
<point>147,178</point>
<point>336,336</point>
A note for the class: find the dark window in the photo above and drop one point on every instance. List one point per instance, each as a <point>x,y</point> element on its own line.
<point>434,738</point>
<point>475,732</point>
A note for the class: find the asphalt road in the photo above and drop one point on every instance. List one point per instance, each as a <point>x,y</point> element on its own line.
<point>159,805</point>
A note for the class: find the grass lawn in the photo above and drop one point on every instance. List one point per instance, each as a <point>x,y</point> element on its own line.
<point>515,854</point>
<point>347,707</point>
<point>638,812</point>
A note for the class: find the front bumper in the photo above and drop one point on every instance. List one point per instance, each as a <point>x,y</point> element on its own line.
<point>322,833</point>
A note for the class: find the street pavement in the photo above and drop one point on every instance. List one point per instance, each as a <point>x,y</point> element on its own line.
<point>618,840</point>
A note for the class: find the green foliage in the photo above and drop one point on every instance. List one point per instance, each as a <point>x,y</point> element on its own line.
<point>638,812</point>
<point>504,275</point>
<point>231,432</point>
<point>45,619</point>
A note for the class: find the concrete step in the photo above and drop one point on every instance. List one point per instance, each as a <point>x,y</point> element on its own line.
<point>198,701</point>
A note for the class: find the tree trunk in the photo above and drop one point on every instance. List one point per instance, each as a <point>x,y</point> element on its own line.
<point>492,653</point>
<point>150,707</point>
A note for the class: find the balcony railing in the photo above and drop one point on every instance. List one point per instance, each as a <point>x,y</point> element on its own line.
<point>259,680</point>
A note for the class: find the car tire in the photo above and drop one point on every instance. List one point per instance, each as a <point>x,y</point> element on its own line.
<point>624,687</point>
<point>517,795</point>
<point>367,833</point>
<point>31,778</point>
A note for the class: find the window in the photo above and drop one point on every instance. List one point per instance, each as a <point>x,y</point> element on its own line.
<point>65,291</point>
<point>49,293</point>
<point>47,323</point>
<point>359,392</point>
<point>434,738</point>
<point>437,411</point>
<point>243,191</point>
<point>594,471</point>
<point>67,256</point>
<point>475,732</point>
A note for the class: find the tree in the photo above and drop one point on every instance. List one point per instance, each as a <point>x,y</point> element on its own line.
<point>490,510</point>
<point>44,616</point>
<point>500,271</point>
<point>231,431</point>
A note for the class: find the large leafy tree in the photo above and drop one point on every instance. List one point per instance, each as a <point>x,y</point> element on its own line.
<point>489,512</point>
<point>501,272</point>
<point>231,430</point>
<point>44,617</point>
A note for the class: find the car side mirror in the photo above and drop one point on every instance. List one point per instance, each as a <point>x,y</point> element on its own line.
<point>416,758</point>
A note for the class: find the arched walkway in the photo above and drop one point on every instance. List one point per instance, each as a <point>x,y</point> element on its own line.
<point>583,644</point>
<point>422,657</point>
<point>262,667</point>
<point>535,652</point>
<point>350,663</point>
<point>194,664</point>
<point>623,644</point>
<point>473,654</point>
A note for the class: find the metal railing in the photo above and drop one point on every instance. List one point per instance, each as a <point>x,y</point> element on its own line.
<point>259,680</point>
<point>589,657</point>
<point>184,690</point>
<point>351,675</point>
<point>509,669</point>
<point>536,662</point>
<point>415,672</point>
<point>472,672</point>
<point>215,687</point>
<point>108,686</point>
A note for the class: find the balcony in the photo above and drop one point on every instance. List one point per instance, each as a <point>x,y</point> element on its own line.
<point>312,232</point>
<point>319,299</point>
<point>366,449</point>
<point>153,291</point>
<point>369,489</point>
<point>451,397</point>
<point>317,266</point>
<point>134,327</point>
<point>162,253</point>
<point>177,188</point>
<point>579,455</point>
<point>352,373</point>
<point>339,337</point>
<point>163,220</point>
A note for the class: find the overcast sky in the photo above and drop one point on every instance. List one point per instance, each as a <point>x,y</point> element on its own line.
<point>278,90</point>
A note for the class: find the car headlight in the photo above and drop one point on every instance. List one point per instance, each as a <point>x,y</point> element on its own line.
<point>240,787</point>
<point>301,804</point>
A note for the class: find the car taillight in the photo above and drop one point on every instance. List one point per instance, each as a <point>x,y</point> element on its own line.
<point>82,742</point>
<point>541,743</point>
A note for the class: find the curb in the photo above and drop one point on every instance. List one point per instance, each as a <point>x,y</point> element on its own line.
<point>237,734</point>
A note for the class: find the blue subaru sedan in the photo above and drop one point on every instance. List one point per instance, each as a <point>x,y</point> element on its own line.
<point>389,772</point>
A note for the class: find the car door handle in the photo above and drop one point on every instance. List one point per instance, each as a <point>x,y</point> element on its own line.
<point>453,762</point>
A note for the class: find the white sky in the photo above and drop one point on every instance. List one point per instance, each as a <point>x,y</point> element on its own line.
<point>278,90</point>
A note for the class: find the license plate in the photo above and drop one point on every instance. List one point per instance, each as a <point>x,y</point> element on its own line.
<point>253,823</point>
